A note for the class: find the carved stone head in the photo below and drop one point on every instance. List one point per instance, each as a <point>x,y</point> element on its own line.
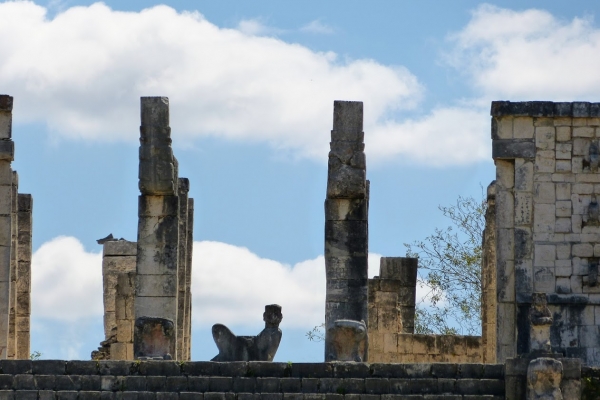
<point>272,315</point>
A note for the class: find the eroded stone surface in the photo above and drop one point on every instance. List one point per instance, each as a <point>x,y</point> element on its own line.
<point>544,376</point>
<point>349,341</point>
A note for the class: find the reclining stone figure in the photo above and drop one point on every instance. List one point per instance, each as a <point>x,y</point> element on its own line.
<point>250,348</point>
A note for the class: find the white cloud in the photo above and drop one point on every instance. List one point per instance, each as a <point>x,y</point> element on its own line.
<point>255,27</point>
<point>528,55</point>
<point>83,71</point>
<point>66,281</point>
<point>317,27</point>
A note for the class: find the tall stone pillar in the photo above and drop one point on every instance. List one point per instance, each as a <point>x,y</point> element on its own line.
<point>11,353</point>
<point>6,181</point>
<point>183,189</point>
<point>346,222</point>
<point>188,280</point>
<point>23,314</point>
<point>155,331</point>
<point>488,279</point>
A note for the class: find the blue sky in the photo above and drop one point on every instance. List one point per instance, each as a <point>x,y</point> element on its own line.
<point>251,86</point>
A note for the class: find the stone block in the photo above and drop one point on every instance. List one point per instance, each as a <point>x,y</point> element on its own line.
<point>504,209</point>
<point>505,244</point>
<point>563,225</point>
<point>544,279</point>
<point>523,210</point>
<point>505,174</point>
<point>524,277</point>
<point>347,120</point>
<point>523,175</point>
<point>156,285</point>
<point>582,250</point>
<point>402,269</point>
<point>563,133</point>
<point>5,125</point>
<point>118,264</point>
<point>545,161</point>
<point>162,306</point>
<point>583,131</point>
<point>563,151</point>
<point>7,150</point>
<point>119,248</point>
<point>563,285</point>
<point>503,128</point>
<point>523,128</point>
<point>563,268</point>
<point>513,148</point>
<point>563,208</point>
<point>522,243</point>
<point>345,181</point>
<point>545,137</point>
<point>346,209</point>
<point>562,166</point>
<point>544,218</point>
<point>544,193</point>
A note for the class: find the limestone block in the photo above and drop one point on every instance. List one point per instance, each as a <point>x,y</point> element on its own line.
<point>345,181</point>
<point>576,284</point>
<point>403,269</point>
<point>523,128</point>
<point>156,285</point>
<point>544,376</point>
<point>505,204</point>
<point>587,178</point>
<point>5,230</point>
<point>571,388</point>
<point>563,285</point>
<point>349,341</point>
<point>347,120</point>
<point>544,218</point>
<point>5,199</point>
<point>154,337</point>
<point>505,174</point>
<point>583,131</point>
<point>563,208</point>
<point>7,150</point>
<point>119,248</point>
<point>563,268</point>
<point>505,249</point>
<point>523,175</point>
<point>158,206</point>
<point>543,163</point>
<point>118,351</point>
<point>544,255</point>
<point>580,203</point>
<point>544,193</point>
<point>522,243</point>
<point>577,165</point>
<point>6,173</point>
<point>563,251</point>
<point>563,133</point>
<point>563,151</point>
<point>156,306</point>
<point>346,209</point>
<point>5,124</point>
<point>524,277</point>
<point>563,121</point>
<point>506,324</point>
<point>349,290</point>
<point>581,147</point>
<point>582,250</point>
<point>125,331</point>
<point>562,166</point>
<point>157,245</point>
<point>523,208</point>
<point>542,121</point>
<point>118,264</point>
<point>545,137</point>
<point>563,225</point>
<point>504,127</point>
<point>544,279</point>
<point>506,149</point>
<point>505,281</point>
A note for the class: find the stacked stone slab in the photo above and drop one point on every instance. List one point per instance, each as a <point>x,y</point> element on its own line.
<point>122,346</point>
<point>547,229</point>
<point>162,246</point>
<point>187,342</point>
<point>14,293</point>
<point>346,221</point>
<point>23,323</point>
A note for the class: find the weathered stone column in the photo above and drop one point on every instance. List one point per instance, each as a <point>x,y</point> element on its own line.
<point>188,280</point>
<point>118,256</point>
<point>122,348</point>
<point>183,189</point>
<point>488,279</point>
<point>346,222</point>
<point>24,277</point>
<point>14,305</point>
<point>155,332</point>
<point>6,181</point>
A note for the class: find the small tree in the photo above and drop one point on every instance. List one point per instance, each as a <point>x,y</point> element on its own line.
<point>450,268</point>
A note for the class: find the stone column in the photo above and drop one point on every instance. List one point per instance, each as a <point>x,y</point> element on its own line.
<point>11,353</point>
<point>118,256</point>
<point>183,189</point>
<point>155,332</point>
<point>122,348</point>
<point>346,222</point>
<point>188,280</point>
<point>24,277</point>
<point>488,279</point>
<point>6,181</point>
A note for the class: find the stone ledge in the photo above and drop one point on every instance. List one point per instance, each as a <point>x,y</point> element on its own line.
<point>513,148</point>
<point>577,109</point>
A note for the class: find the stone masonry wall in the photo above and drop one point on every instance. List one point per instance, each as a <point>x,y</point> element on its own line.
<point>85,380</point>
<point>547,228</point>
<point>122,348</point>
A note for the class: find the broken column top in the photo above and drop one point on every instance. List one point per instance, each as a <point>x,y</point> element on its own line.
<point>6,102</point>
<point>399,268</point>
<point>158,166</point>
<point>549,109</point>
<point>25,202</point>
<point>347,121</point>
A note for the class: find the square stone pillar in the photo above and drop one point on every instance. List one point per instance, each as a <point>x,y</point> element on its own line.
<point>14,276</point>
<point>488,279</point>
<point>6,182</point>
<point>155,331</point>
<point>183,189</point>
<point>188,280</point>
<point>122,348</point>
<point>23,323</point>
<point>346,222</point>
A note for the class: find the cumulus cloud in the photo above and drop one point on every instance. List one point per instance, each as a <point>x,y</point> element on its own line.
<point>66,281</point>
<point>83,71</point>
<point>256,27</point>
<point>317,27</point>
<point>528,55</point>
